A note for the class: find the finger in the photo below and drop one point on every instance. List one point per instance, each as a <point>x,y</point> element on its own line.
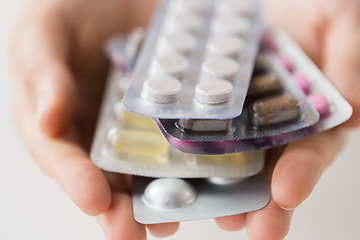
<point>122,183</point>
<point>118,222</point>
<point>301,165</point>
<point>163,230</point>
<point>63,159</point>
<point>54,96</point>
<point>232,223</point>
<point>39,54</point>
<point>270,223</point>
<point>304,30</point>
<point>341,55</point>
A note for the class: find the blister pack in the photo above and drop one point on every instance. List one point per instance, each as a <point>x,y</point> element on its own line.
<point>130,143</point>
<point>197,60</point>
<point>241,135</point>
<point>211,186</point>
<point>173,200</point>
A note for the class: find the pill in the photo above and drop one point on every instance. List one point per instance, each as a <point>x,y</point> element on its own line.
<point>226,46</point>
<point>303,82</point>
<point>224,181</point>
<point>172,64</point>
<point>286,62</point>
<point>235,7</point>
<point>261,64</point>
<point>223,68</point>
<point>187,21</point>
<point>162,89</point>
<point>320,103</point>
<point>123,83</point>
<point>204,125</point>
<point>231,25</point>
<point>140,143</point>
<point>234,159</point>
<point>213,91</point>
<point>198,6</point>
<point>269,43</point>
<point>177,42</point>
<point>274,110</point>
<point>265,85</point>
<point>166,194</point>
<point>130,119</point>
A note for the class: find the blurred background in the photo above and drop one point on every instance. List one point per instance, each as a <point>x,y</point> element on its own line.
<point>32,206</point>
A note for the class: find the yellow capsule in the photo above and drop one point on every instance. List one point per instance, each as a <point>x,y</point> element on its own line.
<point>131,119</point>
<point>140,143</point>
<point>234,159</point>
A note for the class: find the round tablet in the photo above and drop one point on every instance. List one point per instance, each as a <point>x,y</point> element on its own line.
<point>166,194</point>
<point>172,64</point>
<point>233,25</point>
<point>197,6</point>
<point>320,103</point>
<point>303,82</point>
<point>223,68</point>
<point>213,91</point>
<point>180,41</point>
<point>235,7</point>
<point>224,181</point>
<point>226,46</point>
<point>162,89</point>
<point>124,83</point>
<point>183,21</point>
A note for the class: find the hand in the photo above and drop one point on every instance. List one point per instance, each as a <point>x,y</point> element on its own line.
<point>59,72</point>
<point>329,32</point>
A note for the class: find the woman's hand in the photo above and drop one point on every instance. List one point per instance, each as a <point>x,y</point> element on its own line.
<point>329,32</point>
<point>59,73</point>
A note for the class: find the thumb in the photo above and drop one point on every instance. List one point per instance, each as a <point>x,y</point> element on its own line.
<point>40,55</point>
<point>341,55</point>
<point>55,94</point>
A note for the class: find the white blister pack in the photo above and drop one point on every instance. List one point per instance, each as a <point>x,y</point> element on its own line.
<point>197,60</point>
<point>173,199</point>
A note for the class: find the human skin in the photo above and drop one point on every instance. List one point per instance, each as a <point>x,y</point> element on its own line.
<point>59,71</point>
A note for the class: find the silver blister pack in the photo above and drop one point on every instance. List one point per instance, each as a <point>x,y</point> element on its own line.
<point>174,200</point>
<point>130,143</point>
<point>197,60</point>
<point>331,106</point>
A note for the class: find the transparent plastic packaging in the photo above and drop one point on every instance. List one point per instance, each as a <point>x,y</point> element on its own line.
<point>189,46</point>
<point>318,92</point>
<point>130,143</point>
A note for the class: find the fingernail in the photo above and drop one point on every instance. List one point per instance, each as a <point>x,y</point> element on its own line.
<point>287,209</point>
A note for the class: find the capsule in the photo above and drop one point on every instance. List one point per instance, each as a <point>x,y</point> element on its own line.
<point>274,110</point>
<point>204,125</point>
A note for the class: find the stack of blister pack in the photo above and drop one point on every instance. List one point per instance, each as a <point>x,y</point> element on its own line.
<point>190,110</point>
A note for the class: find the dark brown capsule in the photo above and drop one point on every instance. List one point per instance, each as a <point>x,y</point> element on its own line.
<point>265,85</point>
<point>274,110</point>
<point>205,125</point>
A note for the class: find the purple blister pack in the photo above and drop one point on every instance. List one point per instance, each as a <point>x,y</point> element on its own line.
<point>241,136</point>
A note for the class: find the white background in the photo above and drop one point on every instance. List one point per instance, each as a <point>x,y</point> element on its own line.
<point>32,206</point>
